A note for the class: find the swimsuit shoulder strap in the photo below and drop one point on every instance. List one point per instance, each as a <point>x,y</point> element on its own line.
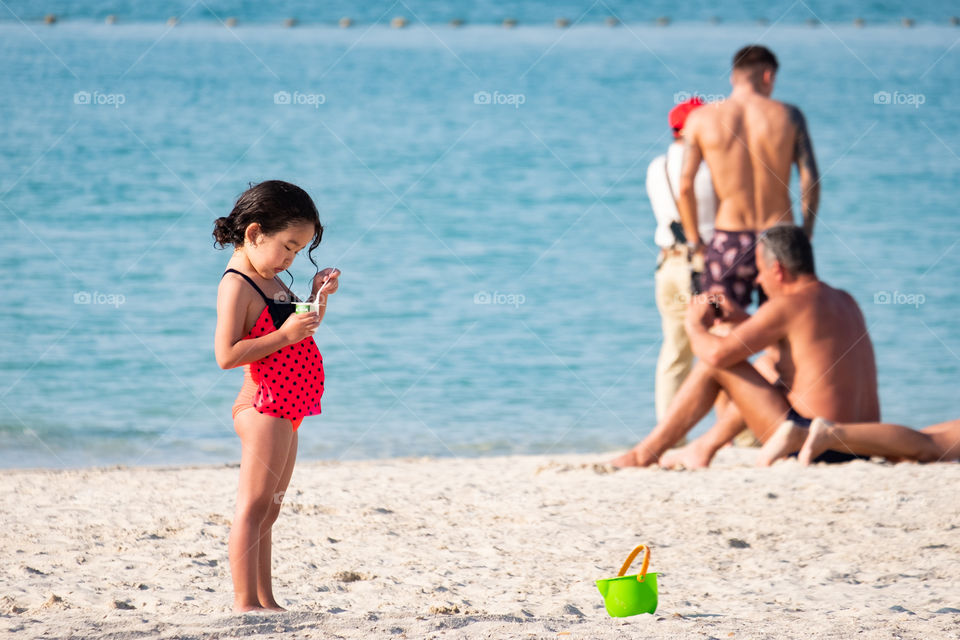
<point>252,283</point>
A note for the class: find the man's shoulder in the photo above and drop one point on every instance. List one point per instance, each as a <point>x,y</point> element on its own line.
<point>845,296</point>
<point>827,289</point>
<point>828,297</point>
<point>774,307</point>
<point>793,113</point>
<point>705,114</point>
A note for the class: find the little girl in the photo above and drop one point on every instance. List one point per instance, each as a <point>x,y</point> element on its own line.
<point>283,370</point>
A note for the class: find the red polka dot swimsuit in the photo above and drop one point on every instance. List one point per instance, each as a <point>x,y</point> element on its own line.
<point>289,381</point>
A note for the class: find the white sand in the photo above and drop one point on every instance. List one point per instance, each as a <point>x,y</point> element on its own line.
<point>491,548</point>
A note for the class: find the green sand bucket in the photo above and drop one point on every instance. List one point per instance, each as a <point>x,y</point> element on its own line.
<point>630,595</point>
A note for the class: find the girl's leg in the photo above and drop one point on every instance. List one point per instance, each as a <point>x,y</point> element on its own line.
<point>265,444</point>
<point>264,573</point>
<point>872,439</point>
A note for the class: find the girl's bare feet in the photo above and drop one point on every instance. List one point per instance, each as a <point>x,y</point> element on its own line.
<point>272,607</point>
<point>245,608</point>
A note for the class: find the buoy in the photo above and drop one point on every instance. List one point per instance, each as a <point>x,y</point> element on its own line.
<point>762,21</point>
<point>230,22</point>
<point>562,23</point>
<point>50,18</point>
<point>510,23</point>
<point>859,22</point>
<point>398,22</point>
<point>612,21</point>
<point>111,19</point>
<point>715,20</point>
<point>663,21</point>
<point>172,21</point>
<point>907,22</point>
<point>954,20</point>
<point>345,22</point>
<point>290,22</point>
<point>456,22</point>
<point>813,22</point>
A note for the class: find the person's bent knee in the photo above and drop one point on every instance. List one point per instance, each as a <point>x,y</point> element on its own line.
<point>709,369</point>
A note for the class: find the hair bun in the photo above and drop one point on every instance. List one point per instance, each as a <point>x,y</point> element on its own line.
<point>224,232</point>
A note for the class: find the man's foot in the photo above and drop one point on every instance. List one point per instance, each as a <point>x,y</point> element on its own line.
<point>787,439</point>
<point>746,439</point>
<point>639,456</point>
<point>692,456</point>
<point>818,441</point>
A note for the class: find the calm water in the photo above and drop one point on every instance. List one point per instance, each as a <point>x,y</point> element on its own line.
<point>433,204</point>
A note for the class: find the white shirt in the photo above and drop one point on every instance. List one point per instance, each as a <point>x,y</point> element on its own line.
<point>664,202</point>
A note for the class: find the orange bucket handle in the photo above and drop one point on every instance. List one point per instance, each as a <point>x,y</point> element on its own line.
<point>633,554</point>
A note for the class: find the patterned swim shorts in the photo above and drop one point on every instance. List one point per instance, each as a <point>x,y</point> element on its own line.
<point>730,263</point>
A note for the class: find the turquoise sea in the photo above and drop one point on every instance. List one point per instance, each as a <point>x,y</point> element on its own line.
<point>483,192</point>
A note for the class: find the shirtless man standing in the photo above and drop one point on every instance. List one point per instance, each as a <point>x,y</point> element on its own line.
<point>750,143</point>
<point>827,367</point>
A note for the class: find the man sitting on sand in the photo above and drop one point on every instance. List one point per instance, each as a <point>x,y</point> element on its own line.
<point>826,362</point>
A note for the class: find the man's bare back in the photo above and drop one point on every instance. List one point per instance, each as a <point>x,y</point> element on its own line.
<point>750,143</point>
<point>827,363</point>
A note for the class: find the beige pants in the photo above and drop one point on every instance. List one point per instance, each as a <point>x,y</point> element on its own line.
<point>676,358</point>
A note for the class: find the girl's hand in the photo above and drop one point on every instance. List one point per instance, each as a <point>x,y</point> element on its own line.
<point>326,281</point>
<point>299,326</point>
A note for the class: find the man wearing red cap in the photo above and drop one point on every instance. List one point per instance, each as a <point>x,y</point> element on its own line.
<point>675,269</point>
<point>750,142</point>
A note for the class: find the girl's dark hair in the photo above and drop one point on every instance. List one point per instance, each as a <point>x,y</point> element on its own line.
<point>274,205</point>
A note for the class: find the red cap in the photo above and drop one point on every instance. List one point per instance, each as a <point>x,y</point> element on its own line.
<point>678,115</point>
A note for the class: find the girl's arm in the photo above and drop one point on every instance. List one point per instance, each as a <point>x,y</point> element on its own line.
<point>328,280</point>
<point>231,350</point>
